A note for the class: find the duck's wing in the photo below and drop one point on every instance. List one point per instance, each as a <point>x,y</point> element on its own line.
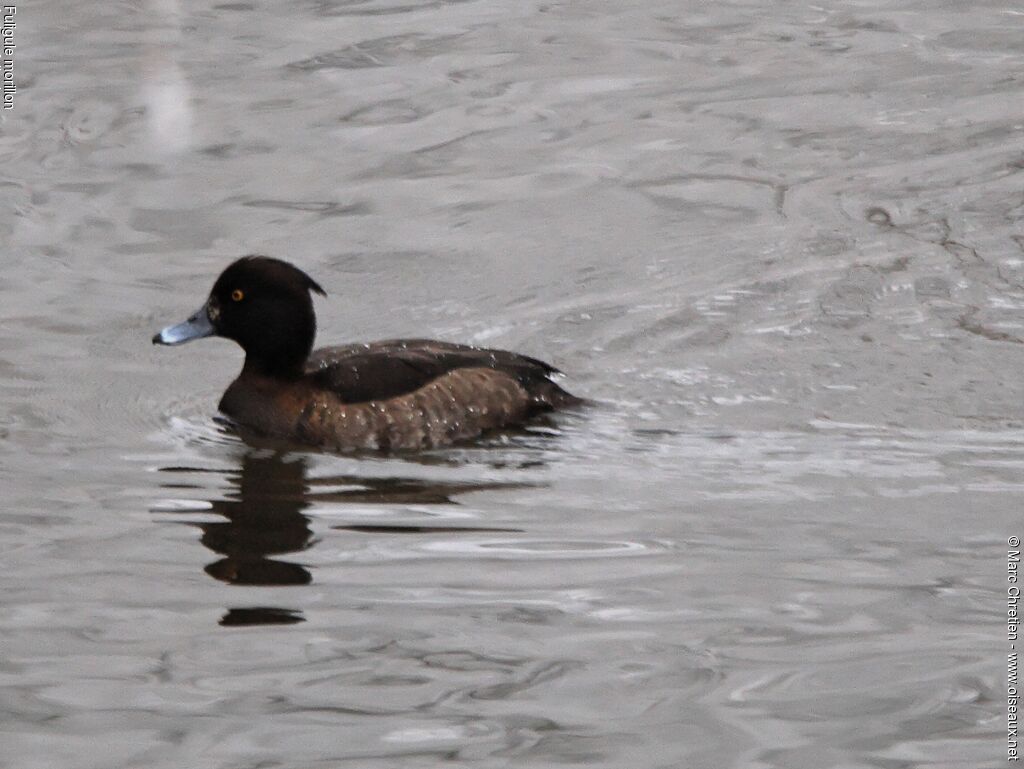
<point>391,368</point>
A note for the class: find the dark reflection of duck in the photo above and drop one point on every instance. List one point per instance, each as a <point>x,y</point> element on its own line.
<point>264,520</point>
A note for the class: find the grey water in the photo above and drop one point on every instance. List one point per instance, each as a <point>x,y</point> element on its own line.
<point>779,245</point>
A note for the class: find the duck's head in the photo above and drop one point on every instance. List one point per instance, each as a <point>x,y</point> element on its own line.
<point>264,304</point>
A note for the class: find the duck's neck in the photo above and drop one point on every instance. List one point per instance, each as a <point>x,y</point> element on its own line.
<point>279,347</point>
<point>288,367</point>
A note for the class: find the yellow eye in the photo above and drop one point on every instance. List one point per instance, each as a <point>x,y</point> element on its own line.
<point>237,295</point>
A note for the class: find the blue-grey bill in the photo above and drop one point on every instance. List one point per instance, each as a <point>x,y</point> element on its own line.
<point>196,327</point>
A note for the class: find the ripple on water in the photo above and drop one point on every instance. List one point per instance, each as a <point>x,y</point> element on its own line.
<point>381,7</point>
<point>189,425</point>
<point>386,548</point>
<point>540,549</point>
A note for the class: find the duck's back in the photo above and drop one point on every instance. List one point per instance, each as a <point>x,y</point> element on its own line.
<point>399,394</point>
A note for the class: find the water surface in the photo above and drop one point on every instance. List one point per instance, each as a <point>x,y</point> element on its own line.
<point>778,244</point>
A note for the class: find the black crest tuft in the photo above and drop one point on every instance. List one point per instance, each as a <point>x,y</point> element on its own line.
<point>270,271</point>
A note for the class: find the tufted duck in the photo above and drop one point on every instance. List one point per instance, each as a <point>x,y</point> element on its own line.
<point>395,394</point>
